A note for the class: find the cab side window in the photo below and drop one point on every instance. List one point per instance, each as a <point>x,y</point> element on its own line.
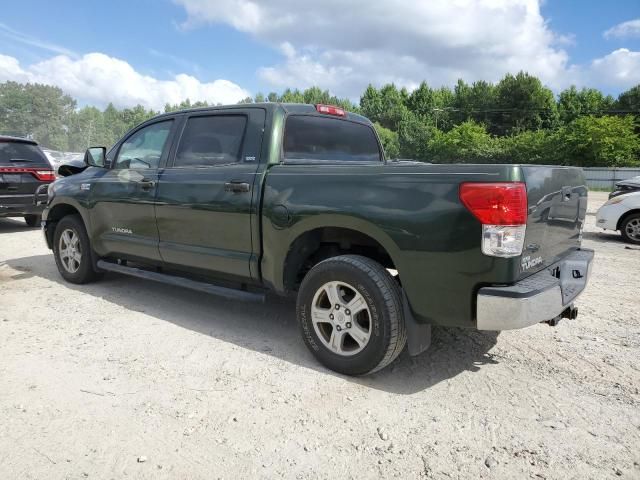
<point>211,140</point>
<point>144,148</point>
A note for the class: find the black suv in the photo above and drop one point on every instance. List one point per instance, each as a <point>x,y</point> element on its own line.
<point>24,169</point>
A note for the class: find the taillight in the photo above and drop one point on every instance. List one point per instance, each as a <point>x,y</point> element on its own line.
<point>42,175</point>
<point>330,110</point>
<point>502,209</point>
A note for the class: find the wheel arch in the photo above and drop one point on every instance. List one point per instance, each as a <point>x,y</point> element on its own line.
<point>319,240</point>
<point>57,212</point>
<point>624,216</point>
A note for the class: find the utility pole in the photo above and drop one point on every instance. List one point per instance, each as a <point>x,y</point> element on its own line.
<point>435,111</point>
<point>89,133</point>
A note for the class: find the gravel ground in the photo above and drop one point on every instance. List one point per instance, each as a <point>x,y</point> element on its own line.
<point>128,378</point>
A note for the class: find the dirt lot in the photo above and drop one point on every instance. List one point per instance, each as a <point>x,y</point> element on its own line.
<point>127,378</point>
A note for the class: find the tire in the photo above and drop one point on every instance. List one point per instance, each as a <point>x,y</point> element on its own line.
<point>80,268</point>
<point>630,228</point>
<point>32,220</point>
<point>359,342</point>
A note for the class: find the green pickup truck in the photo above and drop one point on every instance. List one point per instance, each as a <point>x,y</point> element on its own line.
<point>300,200</point>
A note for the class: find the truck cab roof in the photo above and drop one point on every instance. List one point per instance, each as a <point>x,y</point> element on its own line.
<point>288,108</point>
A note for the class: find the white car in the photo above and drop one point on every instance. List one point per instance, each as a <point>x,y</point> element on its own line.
<point>622,213</point>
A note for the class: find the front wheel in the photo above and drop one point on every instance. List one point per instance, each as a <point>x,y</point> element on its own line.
<point>351,315</point>
<point>72,251</point>
<point>630,228</point>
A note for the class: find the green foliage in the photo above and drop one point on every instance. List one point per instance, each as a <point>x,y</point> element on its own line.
<point>414,136</point>
<point>630,100</point>
<point>606,141</point>
<point>515,120</point>
<point>574,103</point>
<point>389,140</point>
<point>523,103</point>
<point>312,96</point>
<point>529,146</point>
<point>474,102</point>
<point>468,142</point>
<point>385,106</point>
<point>40,111</point>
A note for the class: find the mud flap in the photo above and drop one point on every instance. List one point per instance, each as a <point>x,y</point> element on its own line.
<point>418,334</point>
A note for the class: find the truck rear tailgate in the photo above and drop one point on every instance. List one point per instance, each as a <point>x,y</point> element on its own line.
<point>557,203</point>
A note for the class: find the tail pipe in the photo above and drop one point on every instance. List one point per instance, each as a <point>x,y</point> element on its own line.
<point>571,312</point>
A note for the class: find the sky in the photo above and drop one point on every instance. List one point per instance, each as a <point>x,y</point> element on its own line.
<point>151,52</point>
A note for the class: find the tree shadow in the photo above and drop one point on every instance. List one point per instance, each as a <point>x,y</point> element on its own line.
<point>268,328</point>
<point>14,224</point>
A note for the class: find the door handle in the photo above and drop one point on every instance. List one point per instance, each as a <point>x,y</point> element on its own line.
<point>237,187</point>
<point>146,184</point>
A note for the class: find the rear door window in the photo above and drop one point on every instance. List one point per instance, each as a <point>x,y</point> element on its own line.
<point>21,155</point>
<point>329,139</point>
<point>213,140</point>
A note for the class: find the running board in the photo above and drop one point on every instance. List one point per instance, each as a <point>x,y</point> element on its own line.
<point>226,292</point>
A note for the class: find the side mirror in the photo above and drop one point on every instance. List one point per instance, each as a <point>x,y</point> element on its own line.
<point>95,156</point>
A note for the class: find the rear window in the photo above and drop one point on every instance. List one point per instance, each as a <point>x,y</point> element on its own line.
<point>329,139</point>
<point>21,154</point>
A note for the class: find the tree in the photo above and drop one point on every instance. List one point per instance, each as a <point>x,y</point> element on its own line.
<point>386,106</point>
<point>530,146</point>
<point>433,106</point>
<point>630,100</point>
<point>389,140</point>
<point>573,103</point>
<point>474,102</point>
<point>37,111</point>
<point>609,141</point>
<point>468,142</point>
<point>371,103</point>
<point>523,103</point>
<point>88,129</point>
<point>413,137</point>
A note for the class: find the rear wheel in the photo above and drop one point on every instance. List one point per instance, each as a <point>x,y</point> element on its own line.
<point>630,228</point>
<point>350,313</point>
<point>72,251</point>
<point>32,220</point>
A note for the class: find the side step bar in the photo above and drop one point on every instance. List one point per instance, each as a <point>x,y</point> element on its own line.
<point>226,292</point>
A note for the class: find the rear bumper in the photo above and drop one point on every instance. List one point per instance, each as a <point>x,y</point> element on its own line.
<point>542,296</point>
<point>18,205</point>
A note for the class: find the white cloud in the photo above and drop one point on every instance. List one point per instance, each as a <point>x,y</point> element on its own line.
<point>624,30</point>
<point>98,79</point>
<point>621,68</point>
<point>343,46</point>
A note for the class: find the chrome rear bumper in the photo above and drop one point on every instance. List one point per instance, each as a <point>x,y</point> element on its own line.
<point>542,296</point>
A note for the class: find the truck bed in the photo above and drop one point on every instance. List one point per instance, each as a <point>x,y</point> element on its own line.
<point>413,211</point>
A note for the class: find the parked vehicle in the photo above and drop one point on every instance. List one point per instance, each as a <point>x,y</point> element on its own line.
<point>622,213</point>
<point>626,186</point>
<point>24,170</point>
<point>300,200</point>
